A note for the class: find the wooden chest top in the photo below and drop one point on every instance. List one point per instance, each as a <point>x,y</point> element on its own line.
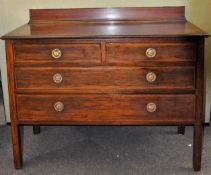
<point>106,23</point>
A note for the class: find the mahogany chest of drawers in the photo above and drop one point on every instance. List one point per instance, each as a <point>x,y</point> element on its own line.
<point>114,66</point>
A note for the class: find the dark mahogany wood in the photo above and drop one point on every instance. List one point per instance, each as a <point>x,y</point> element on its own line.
<point>15,128</point>
<point>36,129</point>
<point>198,130</point>
<point>105,78</point>
<point>109,14</point>
<point>103,68</point>
<point>181,129</point>
<point>106,23</point>
<point>77,30</point>
<point>94,109</point>
<point>135,53</point>
<point>75,54</point>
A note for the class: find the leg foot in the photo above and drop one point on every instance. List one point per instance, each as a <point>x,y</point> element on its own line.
<point>36,129</point>
<point>17,147</point>
<point>197,147</point>
<point>181,129</point>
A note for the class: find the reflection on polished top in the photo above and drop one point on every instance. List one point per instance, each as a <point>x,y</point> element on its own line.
<point>105,23</point>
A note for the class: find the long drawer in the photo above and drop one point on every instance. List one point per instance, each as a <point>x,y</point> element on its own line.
<point>57,53</point>
<point>105,77</point>
<point>106,109</point>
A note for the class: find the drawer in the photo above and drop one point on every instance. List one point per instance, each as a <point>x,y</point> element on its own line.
<point>56,53</point>
<point>106,109</point>
<point>137,53</point>
<point>105,78</point>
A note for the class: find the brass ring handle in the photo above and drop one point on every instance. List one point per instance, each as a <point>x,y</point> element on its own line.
<point>151,77</point>
<point>151,52</point>
<point>57,78</point>
<point>56,53</point>
<point>59,106</point>
<point>151,107</point>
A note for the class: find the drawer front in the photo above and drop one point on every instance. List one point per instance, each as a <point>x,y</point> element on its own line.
<point>106,109</point>
<point>135,54</point>
<point>104,77</point>
<point>75,54</point>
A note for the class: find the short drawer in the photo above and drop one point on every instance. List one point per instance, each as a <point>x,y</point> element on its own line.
<point>105,78</point>
<point>57,53</point>
<point>106,109</point>
<point>137,53</point>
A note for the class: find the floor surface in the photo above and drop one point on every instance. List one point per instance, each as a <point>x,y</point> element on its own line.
<point>101,150</point>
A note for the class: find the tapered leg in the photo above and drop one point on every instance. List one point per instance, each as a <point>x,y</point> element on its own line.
<point>181,129</point>
<point>36,129</point>
<point>17,148</point>
<point>199,106</point>
<point>197,147</point>
<point>21,131</point>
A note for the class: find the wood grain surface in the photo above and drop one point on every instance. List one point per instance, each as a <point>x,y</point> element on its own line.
<point>104,77</point>
<point>106,109</point>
